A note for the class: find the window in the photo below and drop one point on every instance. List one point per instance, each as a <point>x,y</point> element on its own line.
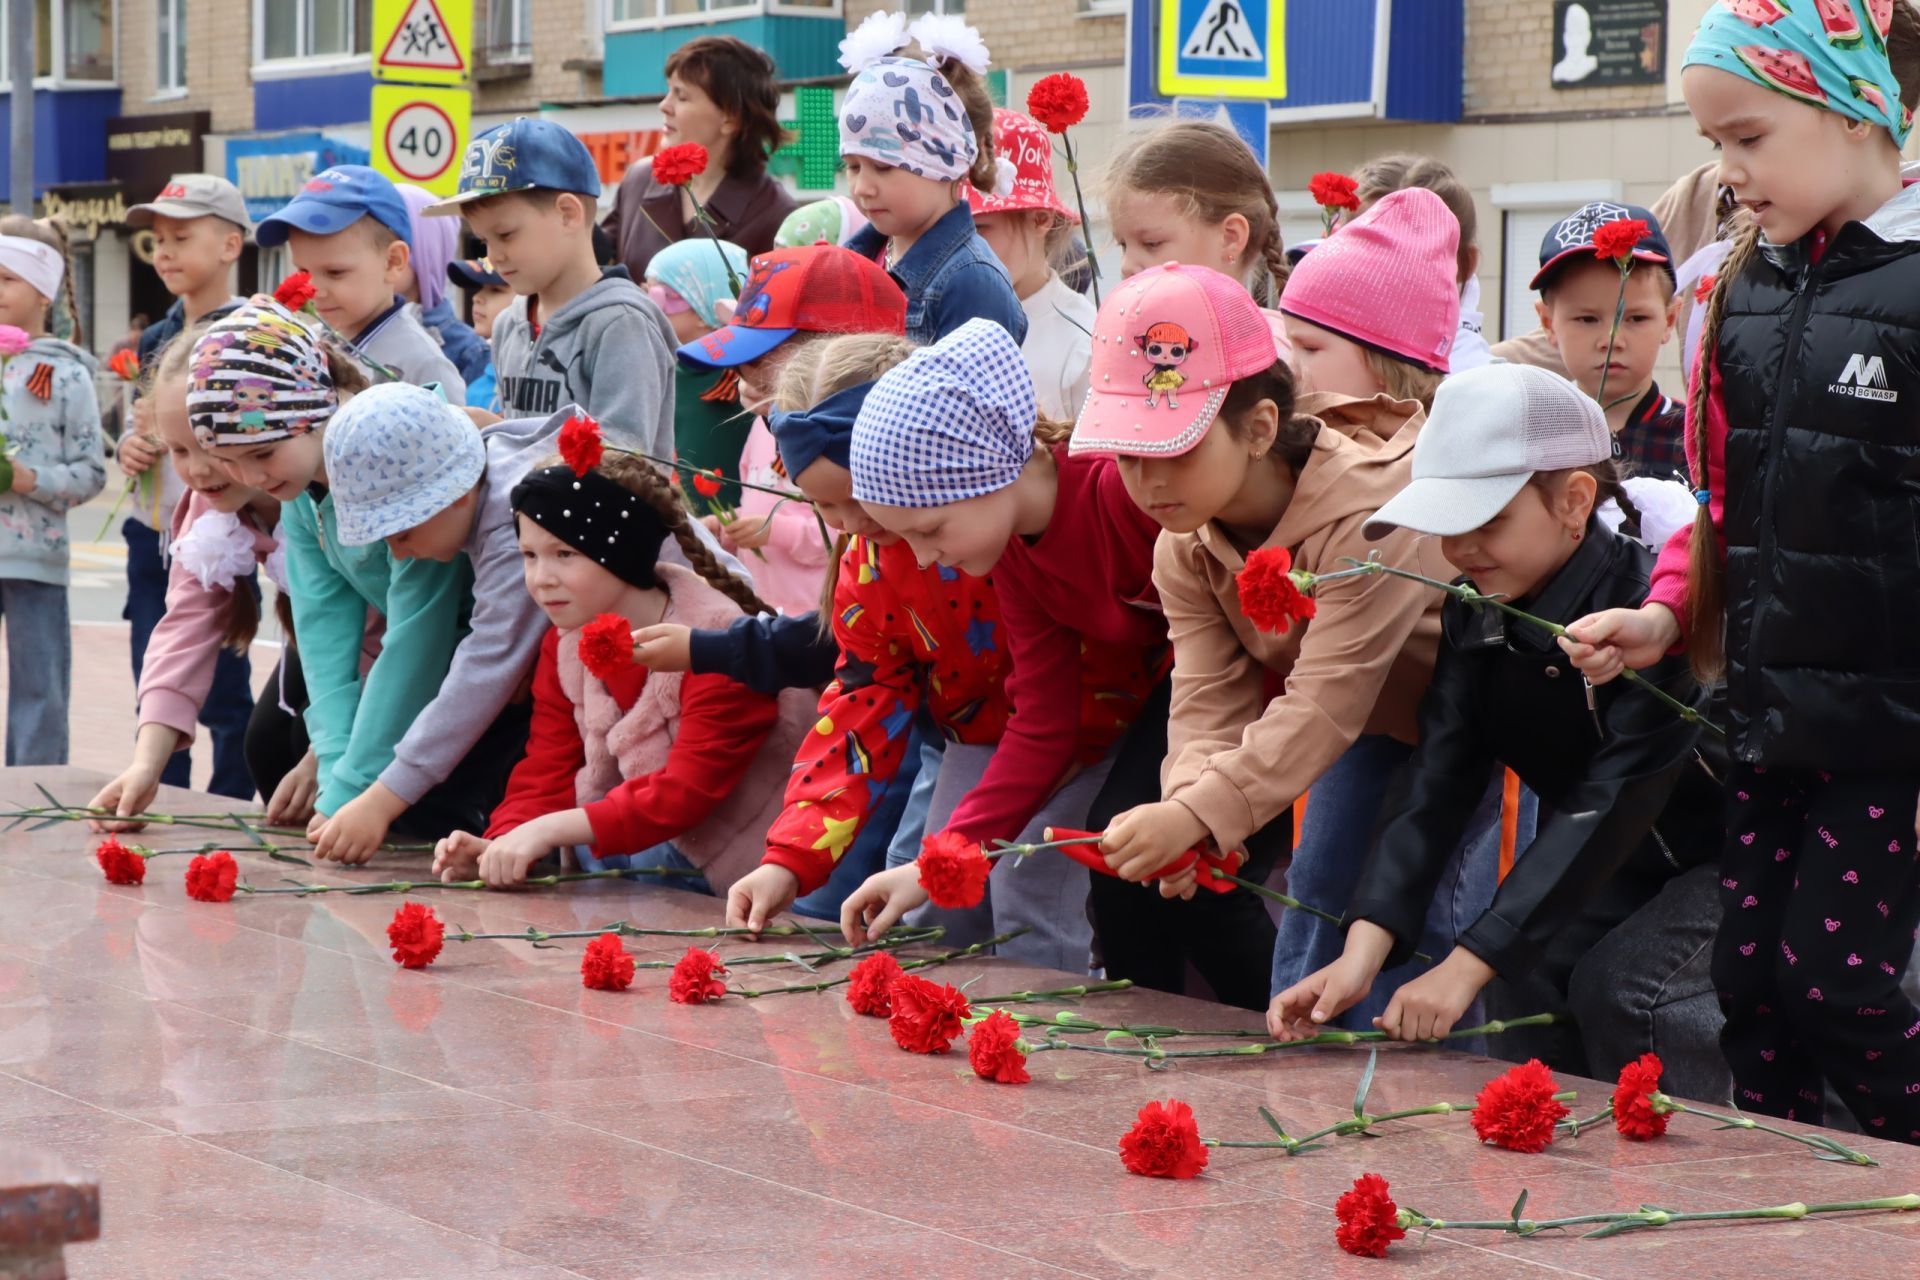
<point>668,12</point>
<point>170,46</point>
<point>73,39</point>
<point>289,29</point>
<point>917,7</point>
<point>1100,8</point>
<point>509,38</point>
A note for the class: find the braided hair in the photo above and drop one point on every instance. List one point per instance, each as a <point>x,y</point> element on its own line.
<point>640,477</point>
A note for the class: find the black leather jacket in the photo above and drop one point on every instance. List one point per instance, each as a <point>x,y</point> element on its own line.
<point>1617,772</point>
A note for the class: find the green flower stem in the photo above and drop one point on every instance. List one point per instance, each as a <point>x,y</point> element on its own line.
<point>907,966</point>
<point>1611,1224</point>
<point>1830,1148</point>
<point>1351,1125</point>
<point>1086,223</point>
<point>1068,1021</point>
<point>1619,310</point>
<point>893,938</point>
<point>1058,993</point>
<point>1155,1053</point>
<point>712,229</point>
<point>410,886</point>
<point>209,822</point>
<point>126,491</point>
<point>1574,1128</point>
<point>675,463</point>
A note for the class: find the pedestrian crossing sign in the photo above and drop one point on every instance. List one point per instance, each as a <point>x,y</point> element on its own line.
<point>1223,48</point>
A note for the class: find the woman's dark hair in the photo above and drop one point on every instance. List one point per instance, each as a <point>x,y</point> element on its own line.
<point>742,81</point>
<point>1293,442</point>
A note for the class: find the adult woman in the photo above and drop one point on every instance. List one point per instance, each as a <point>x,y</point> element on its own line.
<point>720,94</point>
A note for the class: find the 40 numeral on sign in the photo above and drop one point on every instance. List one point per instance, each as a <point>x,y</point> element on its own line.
<point>420,133</point>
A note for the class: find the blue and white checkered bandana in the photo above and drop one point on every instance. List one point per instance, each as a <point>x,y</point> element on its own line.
<point>953,421</point>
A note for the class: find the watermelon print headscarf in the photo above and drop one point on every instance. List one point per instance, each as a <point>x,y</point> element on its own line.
<point>1830,54</point>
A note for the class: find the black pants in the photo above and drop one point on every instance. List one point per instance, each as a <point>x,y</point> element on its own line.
<point>276,742</point>
<point>1820,900</point>
<point>1140,935</point>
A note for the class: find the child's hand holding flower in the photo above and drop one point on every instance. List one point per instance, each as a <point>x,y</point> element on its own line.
<point>1146,838</point>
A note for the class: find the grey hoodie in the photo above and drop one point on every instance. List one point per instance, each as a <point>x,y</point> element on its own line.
<point>497,652</point>
<point>613,323</point>
<point>52,428</point>
<point>399,341</point>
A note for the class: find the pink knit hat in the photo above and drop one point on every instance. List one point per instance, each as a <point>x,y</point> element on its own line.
<point>1167,346</point>
<point>1387,280</point>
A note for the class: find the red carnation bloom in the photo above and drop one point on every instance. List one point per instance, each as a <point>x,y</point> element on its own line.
<point>125,364</point>
<point>953,871</point>
<point>707,486</point>
<point>697,978</point>
<point>122,865</point>
<point>1058,101</point>
<point>580,446</point>
<point>1369,1219</point>
<point>606,646</point>
<point>679,165</point>
<point>1703,290</point>
<point>212,879</point>
<point>926,1015</point>
<point>606,966</point>
<point>1270,597</point>
<point>1518,1110</point>
<point>1334,191</point>
<point>1616,239</point>
<point>1638,1105</point>
<point>996,1050</point>
<point>1164,1142</point>
<point>416,935</point>
<point>870,985</point>
<point>295,292</point>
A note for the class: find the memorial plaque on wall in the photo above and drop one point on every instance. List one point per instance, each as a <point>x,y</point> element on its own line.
<point>1598,43</point>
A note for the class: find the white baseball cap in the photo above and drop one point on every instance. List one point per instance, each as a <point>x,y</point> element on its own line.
<point>1492,429</point>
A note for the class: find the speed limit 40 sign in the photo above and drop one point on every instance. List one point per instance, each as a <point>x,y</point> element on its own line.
<point>419,134</point>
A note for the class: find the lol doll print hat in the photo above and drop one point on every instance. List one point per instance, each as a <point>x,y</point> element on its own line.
<point>1167,345</point>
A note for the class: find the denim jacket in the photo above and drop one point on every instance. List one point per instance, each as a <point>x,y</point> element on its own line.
<point>950,277</point>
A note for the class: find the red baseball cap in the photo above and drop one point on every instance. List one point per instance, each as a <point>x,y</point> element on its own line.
<point>817,288</point>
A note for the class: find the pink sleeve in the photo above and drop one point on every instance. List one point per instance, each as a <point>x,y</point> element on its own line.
<point>1670,574</point>
<point>185,645</point>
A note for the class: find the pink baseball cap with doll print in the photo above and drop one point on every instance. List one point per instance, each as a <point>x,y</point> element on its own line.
<point>1167,345</point>
<point>1025,151</point>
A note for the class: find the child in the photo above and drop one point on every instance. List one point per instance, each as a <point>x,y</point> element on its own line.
<point>834,220</point>
<point>1374,309</point>
<point>1398,172</point>
<point>1257,715</point>
<point>791,297</point>
<point>52,461</point>
<point>487,296</point>
<point>1191,191</point>
<point>1611,908</point>
<point>581,335</point>
<point>1807,388</point>
<point>350,231</point>
<point>220,534</point>
<point>200,227</point>
<point>1027,229</point>
<point>435,241</point>
<point>944,456</point>
<point>650,768</point>
<point>688,280</point>
<point>913,133</point>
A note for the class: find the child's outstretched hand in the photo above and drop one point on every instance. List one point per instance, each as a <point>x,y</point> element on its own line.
<point>1146,838</point>
<point>292,802</point>
<point>877,905</point>
<point>504,862</point>
<point>759,896</point>
<point>1427,1007</point>
<point>457,857</point>
<point>1304,1009</point>
<point>665,646</point>
<point>131,792</point>
<point>353,835</point>
<point>1605,643</point>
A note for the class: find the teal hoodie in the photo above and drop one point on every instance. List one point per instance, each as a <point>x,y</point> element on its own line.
<point>52,427</point>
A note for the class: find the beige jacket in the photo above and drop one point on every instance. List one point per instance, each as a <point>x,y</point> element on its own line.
<point>1360,665</point>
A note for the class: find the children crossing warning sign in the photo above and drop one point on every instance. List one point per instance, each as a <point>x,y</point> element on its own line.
<point>1222,48</point>
<point>423,41</point>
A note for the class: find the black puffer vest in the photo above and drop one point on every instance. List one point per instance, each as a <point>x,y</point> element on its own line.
<point>1820,367</point>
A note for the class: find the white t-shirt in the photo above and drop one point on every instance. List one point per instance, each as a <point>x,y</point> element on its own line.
<point>1470,349</point>
<point>1059,347</point>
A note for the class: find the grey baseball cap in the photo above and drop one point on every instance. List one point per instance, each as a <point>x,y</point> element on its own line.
<point>1492,428</point>
<point>193,195</point>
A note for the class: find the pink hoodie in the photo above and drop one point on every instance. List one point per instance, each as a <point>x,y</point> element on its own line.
<point>1671,572</point>
<point>791,570</point>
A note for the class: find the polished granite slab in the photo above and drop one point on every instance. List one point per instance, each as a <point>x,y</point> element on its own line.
<point>262,1091</point>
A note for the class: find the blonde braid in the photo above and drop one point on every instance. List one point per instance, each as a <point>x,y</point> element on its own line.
<point>642,478</point>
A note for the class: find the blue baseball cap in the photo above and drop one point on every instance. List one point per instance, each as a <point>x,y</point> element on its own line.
<point>523,155</point>
<point>335,199</point>
<point>1573,235</point>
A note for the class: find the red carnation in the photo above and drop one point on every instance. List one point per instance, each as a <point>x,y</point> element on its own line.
<point>295,292</point>
<point>1640,1110</point>
<point>580,446</point>
<point>1616,239</point>
<point>122,865</point>
<point>870,985</point>
<point>1518,1110</point>
<point>996,1050</point>
<point>125,364</point>
<point>706,484</point>
<point>606,646</point>
<point>1270,596</point>
<point>926,1015</point>
<point>696,979</point>
<point>1058,101</point>
<point>1164,1142</point>
<point>953,871</point>
<point>212,879</point>
<point>679,165</point>
<point>1334,191</point>
<point>1369,1219</point>
<point>416,935</point>
<point>606,966</point>
<point>1703,290</point>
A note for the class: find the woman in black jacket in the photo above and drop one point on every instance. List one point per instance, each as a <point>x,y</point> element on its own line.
<point>1610,912</point>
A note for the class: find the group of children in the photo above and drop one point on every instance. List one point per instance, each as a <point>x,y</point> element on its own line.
<point>1004,564</point>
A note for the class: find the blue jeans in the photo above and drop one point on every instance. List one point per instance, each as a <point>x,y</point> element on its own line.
<point>229,703</point>
<point>870,848</point>
<point>39,670</point>
<point>1335,839</point>
<point>912,831</point>
<point>661,855</point>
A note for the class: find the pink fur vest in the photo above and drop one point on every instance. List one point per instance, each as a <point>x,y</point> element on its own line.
<point>730,841</point>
